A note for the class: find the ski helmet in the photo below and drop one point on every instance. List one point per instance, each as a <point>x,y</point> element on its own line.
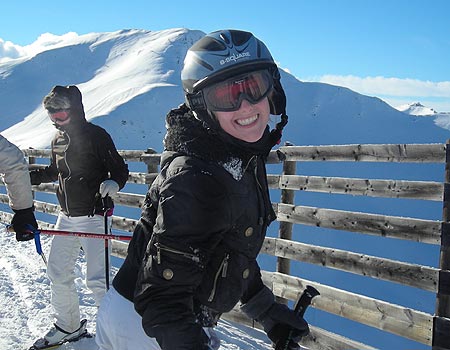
<point>223,54</point>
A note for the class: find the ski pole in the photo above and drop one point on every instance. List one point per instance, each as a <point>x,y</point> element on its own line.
<point>105,215</point>
<point>302,304</point>
<point>37,240</point>
<point>80,234</point>
<point>37,243</point>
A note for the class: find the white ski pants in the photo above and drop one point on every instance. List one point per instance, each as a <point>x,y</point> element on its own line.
<point>64,252</point>
<point>119,326</point>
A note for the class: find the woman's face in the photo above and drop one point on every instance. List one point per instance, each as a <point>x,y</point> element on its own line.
<point>248,122</point>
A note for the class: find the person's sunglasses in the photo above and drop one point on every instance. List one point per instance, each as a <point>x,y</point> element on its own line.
<point>227,95</point>
<point>59,115</point>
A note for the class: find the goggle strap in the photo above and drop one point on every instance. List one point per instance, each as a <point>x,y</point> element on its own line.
<point>196,100</point>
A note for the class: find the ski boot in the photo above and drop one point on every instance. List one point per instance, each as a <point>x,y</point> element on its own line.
<point>57,337</point>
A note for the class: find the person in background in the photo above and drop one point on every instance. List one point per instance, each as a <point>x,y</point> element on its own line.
<point>14,170</point>
<point>89,170</point>
<point>193,252</point>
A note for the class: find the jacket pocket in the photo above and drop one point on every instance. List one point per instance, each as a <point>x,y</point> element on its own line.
<point>223,282</point>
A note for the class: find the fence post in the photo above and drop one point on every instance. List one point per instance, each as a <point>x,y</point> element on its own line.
<point>441,321</point>
<point>152,167</point>
<point>285,228</point>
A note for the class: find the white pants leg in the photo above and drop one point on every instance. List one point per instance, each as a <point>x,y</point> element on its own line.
<point>61,263</point>
<point>94,250</point>
<point>119,326</point>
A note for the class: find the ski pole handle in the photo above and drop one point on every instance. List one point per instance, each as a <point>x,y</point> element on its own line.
<point>302,304</point>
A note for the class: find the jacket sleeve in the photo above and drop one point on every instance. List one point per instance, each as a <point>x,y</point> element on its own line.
<point>112,160</point>
<point>14,170</point>
<point>47,174</point>
<point>192,217</point>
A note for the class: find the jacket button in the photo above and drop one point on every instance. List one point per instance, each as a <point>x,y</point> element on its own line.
<point>245,274</point>
<point>248,232</point>
<point>168,274</point>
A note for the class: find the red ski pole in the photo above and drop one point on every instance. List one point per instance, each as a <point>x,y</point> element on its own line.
<point>81,234</point>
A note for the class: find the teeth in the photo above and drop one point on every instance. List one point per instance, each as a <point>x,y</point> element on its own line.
<point>248,121</point>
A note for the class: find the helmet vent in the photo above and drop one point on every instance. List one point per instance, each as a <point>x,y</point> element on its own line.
<point>240,37</point>
<point>208,44</point>
<point>224,38</point>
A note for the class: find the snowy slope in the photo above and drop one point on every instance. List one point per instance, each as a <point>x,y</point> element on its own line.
<point>130,79</point>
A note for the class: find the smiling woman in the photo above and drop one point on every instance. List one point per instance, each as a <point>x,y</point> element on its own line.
<point>193,252</point>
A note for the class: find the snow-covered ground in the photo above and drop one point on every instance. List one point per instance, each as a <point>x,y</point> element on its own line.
<point>25,310</point>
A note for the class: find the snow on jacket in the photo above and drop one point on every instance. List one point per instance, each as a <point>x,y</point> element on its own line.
<point>14,170</point>
<point>206,215</point>
<point>83,155</point>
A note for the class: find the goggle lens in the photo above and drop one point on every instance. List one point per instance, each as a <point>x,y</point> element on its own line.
<point>228,95</point>
<point>59,116</point>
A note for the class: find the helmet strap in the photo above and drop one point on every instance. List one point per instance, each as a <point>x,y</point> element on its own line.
<point>277,132</point>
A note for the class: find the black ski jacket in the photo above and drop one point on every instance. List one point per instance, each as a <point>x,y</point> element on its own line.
<point>83,155</point>
<point>193,252</point>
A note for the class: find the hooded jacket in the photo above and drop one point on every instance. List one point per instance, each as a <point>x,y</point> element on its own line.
<point>193,252</point>
<point>82,156</point>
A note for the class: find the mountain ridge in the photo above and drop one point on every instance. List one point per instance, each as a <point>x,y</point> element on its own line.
<point>130,79</point>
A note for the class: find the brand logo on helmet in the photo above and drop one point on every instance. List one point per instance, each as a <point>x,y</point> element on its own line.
<point>234,57</point>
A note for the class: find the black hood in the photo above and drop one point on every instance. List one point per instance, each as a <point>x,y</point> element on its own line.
<point>66,98</point>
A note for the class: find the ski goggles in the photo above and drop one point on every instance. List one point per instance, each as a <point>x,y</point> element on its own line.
<point>227,95</point>
<point>59,115</point>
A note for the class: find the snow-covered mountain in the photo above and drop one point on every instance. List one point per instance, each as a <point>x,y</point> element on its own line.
<point>416,108</point>
<point>131,78</point>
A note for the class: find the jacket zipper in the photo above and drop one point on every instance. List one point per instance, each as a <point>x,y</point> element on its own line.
<point>221,271</point>
<point>160,247</point>
<point>255,172</point>
<point>69,174</point>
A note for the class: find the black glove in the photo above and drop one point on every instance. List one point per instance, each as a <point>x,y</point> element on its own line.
<point>24,223</point>
<point>275,317</point>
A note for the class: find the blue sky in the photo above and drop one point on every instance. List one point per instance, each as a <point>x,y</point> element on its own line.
<point>396,50</point>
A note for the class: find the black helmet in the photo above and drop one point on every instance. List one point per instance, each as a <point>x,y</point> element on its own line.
<point>223,54</point>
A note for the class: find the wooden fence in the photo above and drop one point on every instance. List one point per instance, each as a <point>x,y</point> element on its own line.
<point>432,330</point>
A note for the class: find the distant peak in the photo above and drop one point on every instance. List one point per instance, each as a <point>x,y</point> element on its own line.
<point>416,108</point>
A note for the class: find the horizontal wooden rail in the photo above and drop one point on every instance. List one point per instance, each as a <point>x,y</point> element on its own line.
<point>425,231</point>
<point>413,153</point>
<point>403,153</point>
<point>148,157</point>
<point>426,190</point>
<point>120,198</point>
<point>418,276</point>
<point>142,178</point>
